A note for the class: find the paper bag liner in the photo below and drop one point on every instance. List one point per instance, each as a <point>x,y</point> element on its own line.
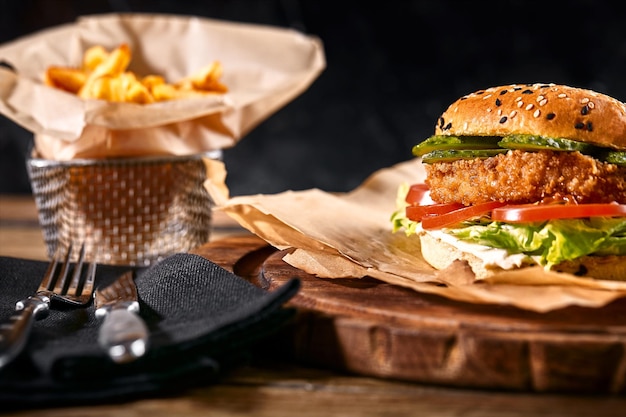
<point>349,236</point>
<point>264,68</point>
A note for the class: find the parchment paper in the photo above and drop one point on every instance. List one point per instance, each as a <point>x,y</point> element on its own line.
<point>349,236</point>
<point>264,68</point>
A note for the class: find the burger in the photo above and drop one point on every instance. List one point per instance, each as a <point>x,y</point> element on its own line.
<point>520,176</point>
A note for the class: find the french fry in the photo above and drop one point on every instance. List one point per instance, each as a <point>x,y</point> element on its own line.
<point>106,88</point>
<point>151,80</point>
<point>104,76</point>
<point>136,92</point>
<point>97,89</point>
<point>165,92</point>
<point>114,64</point>
<point>123,88</point>
<point>93,57</point>
<point>67,79</point>
<point>205,79</point>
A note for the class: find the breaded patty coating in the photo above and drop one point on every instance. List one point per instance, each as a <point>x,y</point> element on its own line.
<point>527,177</point>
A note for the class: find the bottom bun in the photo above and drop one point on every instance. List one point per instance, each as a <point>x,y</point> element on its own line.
<point>441,255</point>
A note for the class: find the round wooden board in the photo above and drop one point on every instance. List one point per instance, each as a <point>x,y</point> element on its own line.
<point>373,328</point>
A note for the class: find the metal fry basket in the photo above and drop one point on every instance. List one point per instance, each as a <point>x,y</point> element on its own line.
<point>128,211</point>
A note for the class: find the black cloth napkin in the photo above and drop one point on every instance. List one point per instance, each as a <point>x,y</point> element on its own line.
<point>202,319</point>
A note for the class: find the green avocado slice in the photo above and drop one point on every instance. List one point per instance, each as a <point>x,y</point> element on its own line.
<point>441,142</point>
<point>449,155</point>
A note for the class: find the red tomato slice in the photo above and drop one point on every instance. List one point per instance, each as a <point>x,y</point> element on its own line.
<point>417,213</point>
<point>534,213</point>
<point>456,216</point>
<point>419,194</point>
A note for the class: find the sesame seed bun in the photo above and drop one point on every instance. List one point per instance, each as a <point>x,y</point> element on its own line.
<point>549,110</point>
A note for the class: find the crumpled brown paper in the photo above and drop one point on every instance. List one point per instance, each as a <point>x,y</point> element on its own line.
<point>264,68</point>
<point>349,236</point>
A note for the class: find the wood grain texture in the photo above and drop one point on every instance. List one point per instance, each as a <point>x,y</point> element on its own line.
<point>372,328</point>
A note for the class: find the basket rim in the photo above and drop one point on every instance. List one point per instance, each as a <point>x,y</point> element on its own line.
<point>47,163</point>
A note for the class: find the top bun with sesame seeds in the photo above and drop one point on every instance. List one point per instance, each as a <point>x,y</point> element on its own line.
<point>548,110</point>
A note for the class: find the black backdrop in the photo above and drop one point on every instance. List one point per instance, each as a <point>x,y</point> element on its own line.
<point>392,68</point>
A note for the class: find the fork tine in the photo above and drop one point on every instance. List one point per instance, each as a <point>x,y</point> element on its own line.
<point>74,286</point>
<point>48,279</point>
<point>90,279</point>
<point>62,279</point>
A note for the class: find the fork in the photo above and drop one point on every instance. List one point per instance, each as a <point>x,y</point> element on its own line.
<point>77,291</point>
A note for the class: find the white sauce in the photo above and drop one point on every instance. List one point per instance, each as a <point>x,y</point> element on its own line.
<point>491,257</point>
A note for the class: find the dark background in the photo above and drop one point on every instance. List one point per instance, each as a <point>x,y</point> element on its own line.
<point>392,68</point>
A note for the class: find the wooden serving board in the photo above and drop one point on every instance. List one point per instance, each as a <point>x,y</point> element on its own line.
<point>372,328</point>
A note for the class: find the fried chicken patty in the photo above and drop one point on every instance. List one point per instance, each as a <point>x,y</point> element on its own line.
<point>527,177</point>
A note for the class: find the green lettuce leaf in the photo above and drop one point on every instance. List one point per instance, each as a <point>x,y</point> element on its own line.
<point>550,242</point>
<point>554,241</point>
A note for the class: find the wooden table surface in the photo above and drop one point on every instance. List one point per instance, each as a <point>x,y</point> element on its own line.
<point>276,387</point>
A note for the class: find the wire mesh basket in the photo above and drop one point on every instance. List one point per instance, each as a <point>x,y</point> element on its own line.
<point>128,211</point>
